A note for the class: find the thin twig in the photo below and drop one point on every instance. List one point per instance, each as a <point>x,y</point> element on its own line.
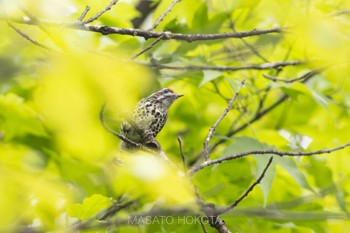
<point>107,8</point>
<point>264,66</point>
<point>263,152</point>
<point>25,10</point>
<point>120,136</point>
<point>203,227</point>
<point>182,153</point>
<point>137,218</point>
<point>341,12</point>
<point>252,48</point>
<point>112,210</point>
<point>255,118</point>
<point>160,153</point>
<point>246,193</point>
<point>21,33</point>
<point>27,37</point>
<point>82,16</point>
<point>304,76</point>
<point>42,26</point>
<point>213,128</point>
<point>160,19</point>
<point>148,47</point>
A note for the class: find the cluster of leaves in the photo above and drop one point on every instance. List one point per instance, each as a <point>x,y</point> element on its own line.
<point>56,160</point>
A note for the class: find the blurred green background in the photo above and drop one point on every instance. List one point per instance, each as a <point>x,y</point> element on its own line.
<point>55,157</point>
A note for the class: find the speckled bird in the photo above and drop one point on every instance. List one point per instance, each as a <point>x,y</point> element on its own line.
<point>148,119</point>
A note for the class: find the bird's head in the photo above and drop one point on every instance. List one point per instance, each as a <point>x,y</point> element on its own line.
<point>165,96</point>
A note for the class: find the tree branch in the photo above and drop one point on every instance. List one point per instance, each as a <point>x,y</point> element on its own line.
<point>341,12</point>
<point>82,16</point>
<point>219,224</point>
<point>304,76</point>
<point>213,128</point>
<point>259,114</point>
<point>107,8</point>
<point>252,48</point>
<point>148,47</point>
<point>160,19</point>
<point>182,153</point>
<point>118,135</point>
<point>203,227</point>
<point>160,153</point>
<point>106,30</point>
<point>262,152</point>
<point>264,66</point>
<point>136,218</point>
<point>27,37</point>
<point>113,210</point>
<point>246,193</point>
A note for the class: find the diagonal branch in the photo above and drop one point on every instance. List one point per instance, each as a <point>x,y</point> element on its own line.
<point>213,128</point>
<point>107,8</point>
<point>160,153</point>
<point>160,19</point>
<point>202,224</point>
<point>182,153</point>
<point>148,47</point>
<point>82,16</point>
<point>118,135</point>
<point>251,47</point>
<point>27,37</point>
<point>263,152</point>
<point>246,193</point>
<point>338,13</point>
<point>21,33</point>
<point>113,210</point>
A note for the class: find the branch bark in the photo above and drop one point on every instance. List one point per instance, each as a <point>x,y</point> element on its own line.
<point>160,19</point>
<point>264,66</point>
<point>262,152</point>
<point>213,128</point>
<point>107,30</point>
<point>246,193</point>
<point>95,17</point>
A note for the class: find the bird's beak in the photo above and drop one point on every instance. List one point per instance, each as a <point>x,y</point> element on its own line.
<point>178,95</point>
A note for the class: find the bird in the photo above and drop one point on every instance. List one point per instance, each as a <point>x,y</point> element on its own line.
<point>147,120</point>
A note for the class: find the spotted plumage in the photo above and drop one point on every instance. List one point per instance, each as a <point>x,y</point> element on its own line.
<point>148,119</point>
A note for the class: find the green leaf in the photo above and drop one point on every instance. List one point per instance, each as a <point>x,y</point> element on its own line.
<point>18,119</point>
<point>209,75</point>
<point>90,207</point>
<point>340,197</point>
<point>200,17</point>
<point>320,99</point>
<point>246,144</point>
<point>266,182</point>
<point>290,166</point>
<point>292,93</point>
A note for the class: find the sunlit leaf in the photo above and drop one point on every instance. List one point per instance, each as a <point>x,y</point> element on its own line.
<point>90,206</point>
<point>18,119</point>
<point>142,174</point>
<point>210,75</point>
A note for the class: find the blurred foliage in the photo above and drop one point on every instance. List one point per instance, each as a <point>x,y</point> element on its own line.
<point>57,163</point>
